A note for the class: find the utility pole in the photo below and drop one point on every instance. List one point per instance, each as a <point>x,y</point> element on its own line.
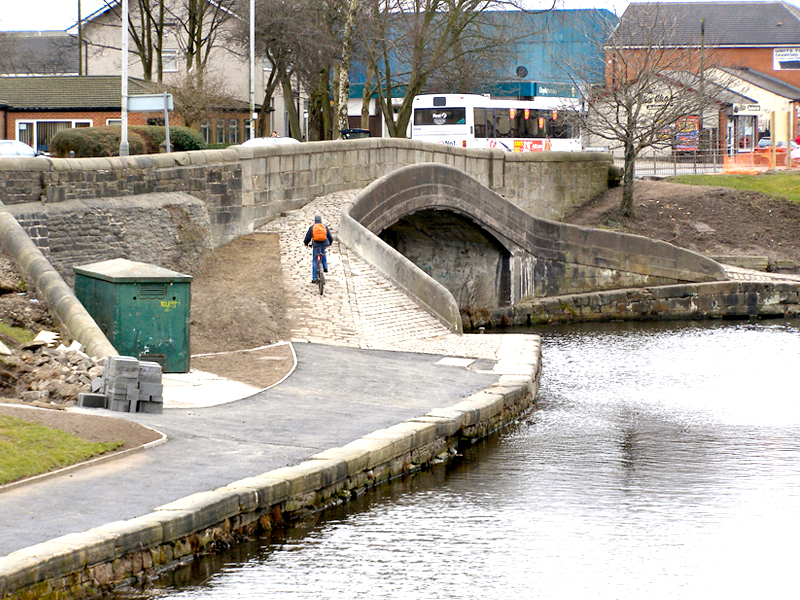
<point>124,149</point>
<point>702,78</point>
<point>80,42</point>
<point>252,70</point>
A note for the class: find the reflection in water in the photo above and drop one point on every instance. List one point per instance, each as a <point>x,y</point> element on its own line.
<point>662,461</point>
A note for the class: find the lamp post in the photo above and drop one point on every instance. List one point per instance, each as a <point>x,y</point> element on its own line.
<point>124,149</point>
<point>252,68</point>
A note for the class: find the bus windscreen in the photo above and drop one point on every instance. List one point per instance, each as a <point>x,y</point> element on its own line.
<point>440,116</point>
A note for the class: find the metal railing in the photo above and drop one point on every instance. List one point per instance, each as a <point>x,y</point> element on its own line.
<point>684,163</point>
<point>710,161</point>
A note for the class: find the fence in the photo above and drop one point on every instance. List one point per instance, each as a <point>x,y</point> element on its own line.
<point>711,161</point>
<point>687,163</point>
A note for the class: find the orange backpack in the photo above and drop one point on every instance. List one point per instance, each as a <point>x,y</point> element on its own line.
<point>319,233</point>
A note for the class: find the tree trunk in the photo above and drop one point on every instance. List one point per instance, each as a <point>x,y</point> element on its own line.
<point>291,109</point>
<point>344,65</point>
<point>626,207</point>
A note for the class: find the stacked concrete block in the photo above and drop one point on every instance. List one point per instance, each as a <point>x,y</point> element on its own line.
<point>151,391</point>
<point>130,385</point>
<point>121,383</point>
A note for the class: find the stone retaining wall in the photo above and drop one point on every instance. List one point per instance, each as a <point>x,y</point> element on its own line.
<point>85,564</point>
<point>716,300</point>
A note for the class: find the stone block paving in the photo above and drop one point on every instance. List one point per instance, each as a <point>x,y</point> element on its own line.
<point>740,274</point>
<point>360,307</point>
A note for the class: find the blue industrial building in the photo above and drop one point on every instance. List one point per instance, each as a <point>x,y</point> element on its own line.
<point>547,47</point>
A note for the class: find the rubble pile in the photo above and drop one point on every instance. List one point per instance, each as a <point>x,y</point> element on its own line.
<point>37,373</point>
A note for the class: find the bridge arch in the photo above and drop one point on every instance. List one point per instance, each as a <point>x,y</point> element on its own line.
<point>544,258</point>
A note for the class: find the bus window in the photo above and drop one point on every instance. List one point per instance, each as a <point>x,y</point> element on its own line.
<point>440,116</point>
<point>480,122</point>
<point>558,128</point>
<point>484,122</point>
<point>502,123</point>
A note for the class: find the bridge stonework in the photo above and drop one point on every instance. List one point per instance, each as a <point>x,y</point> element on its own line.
<point>534,257</point>
<point>83,210</point>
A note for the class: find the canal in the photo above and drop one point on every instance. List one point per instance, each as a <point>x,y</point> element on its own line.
<point>662,461</point>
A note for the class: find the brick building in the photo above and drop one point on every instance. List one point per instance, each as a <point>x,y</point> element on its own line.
<point>753,47</point>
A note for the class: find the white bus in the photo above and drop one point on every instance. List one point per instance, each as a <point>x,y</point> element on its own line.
<point>473,121</point>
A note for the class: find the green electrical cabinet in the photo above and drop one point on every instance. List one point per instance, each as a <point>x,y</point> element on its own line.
<point>143,309</point>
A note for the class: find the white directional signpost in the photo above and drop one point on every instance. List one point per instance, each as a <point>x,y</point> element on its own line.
<point>152,103</point>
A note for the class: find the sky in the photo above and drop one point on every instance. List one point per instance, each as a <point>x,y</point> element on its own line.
<point>44,15</point>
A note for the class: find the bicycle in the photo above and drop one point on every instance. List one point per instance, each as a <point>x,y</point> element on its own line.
<point>320,273</point>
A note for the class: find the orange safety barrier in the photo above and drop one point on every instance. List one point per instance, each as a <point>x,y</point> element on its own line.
<point>758,161</point>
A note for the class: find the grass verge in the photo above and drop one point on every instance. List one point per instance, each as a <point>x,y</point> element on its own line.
<point>17,333</point>
<point>776,184</point>
<point>28,449</point>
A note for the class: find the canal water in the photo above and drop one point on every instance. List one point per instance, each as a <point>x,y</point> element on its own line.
<point>663,461</point>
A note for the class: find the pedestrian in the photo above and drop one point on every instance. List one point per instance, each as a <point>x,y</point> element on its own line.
<point>273,134</point>
<point>319,238</point>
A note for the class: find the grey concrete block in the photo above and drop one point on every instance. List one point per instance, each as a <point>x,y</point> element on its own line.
<point>92,400</point>
<point>154,408</point>
<point>120,405</point>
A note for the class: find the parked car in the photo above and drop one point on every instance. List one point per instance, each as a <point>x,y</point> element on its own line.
<point>261,142</point>
<point>15,148</point>
<point>767,143</point>
<point>354,134</point>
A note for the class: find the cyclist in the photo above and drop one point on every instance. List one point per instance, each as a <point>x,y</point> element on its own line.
<point>319,238</point>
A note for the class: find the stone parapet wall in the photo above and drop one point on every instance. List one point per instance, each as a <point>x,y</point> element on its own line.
<point>87,564</point>
<point>245,187</point>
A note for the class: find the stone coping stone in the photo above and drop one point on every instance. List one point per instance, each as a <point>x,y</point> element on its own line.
<point>270,488</point>
<point>480,407</point>
<point>444,426</point>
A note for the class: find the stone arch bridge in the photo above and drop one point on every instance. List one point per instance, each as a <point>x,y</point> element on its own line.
<point>453,243</point>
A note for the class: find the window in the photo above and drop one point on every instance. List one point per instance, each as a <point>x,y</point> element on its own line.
<point>114,122</point>
<point>205,130</point>
<point>169,61</point>
<point>233,131</point>
<point>440,116</point>
<point>502,122</point>
<point>37,134</point>
<point>220,131</point>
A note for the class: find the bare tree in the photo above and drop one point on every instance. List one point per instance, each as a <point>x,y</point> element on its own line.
<point>647,83</point>
<point>197,98</point>
<point>345,62</point>
<point>201,21</point>
<point>146,28</point>
<point>416,39</point>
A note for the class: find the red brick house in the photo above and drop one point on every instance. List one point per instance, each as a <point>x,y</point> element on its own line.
<point>754,47</point>
<point>33,109</point>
